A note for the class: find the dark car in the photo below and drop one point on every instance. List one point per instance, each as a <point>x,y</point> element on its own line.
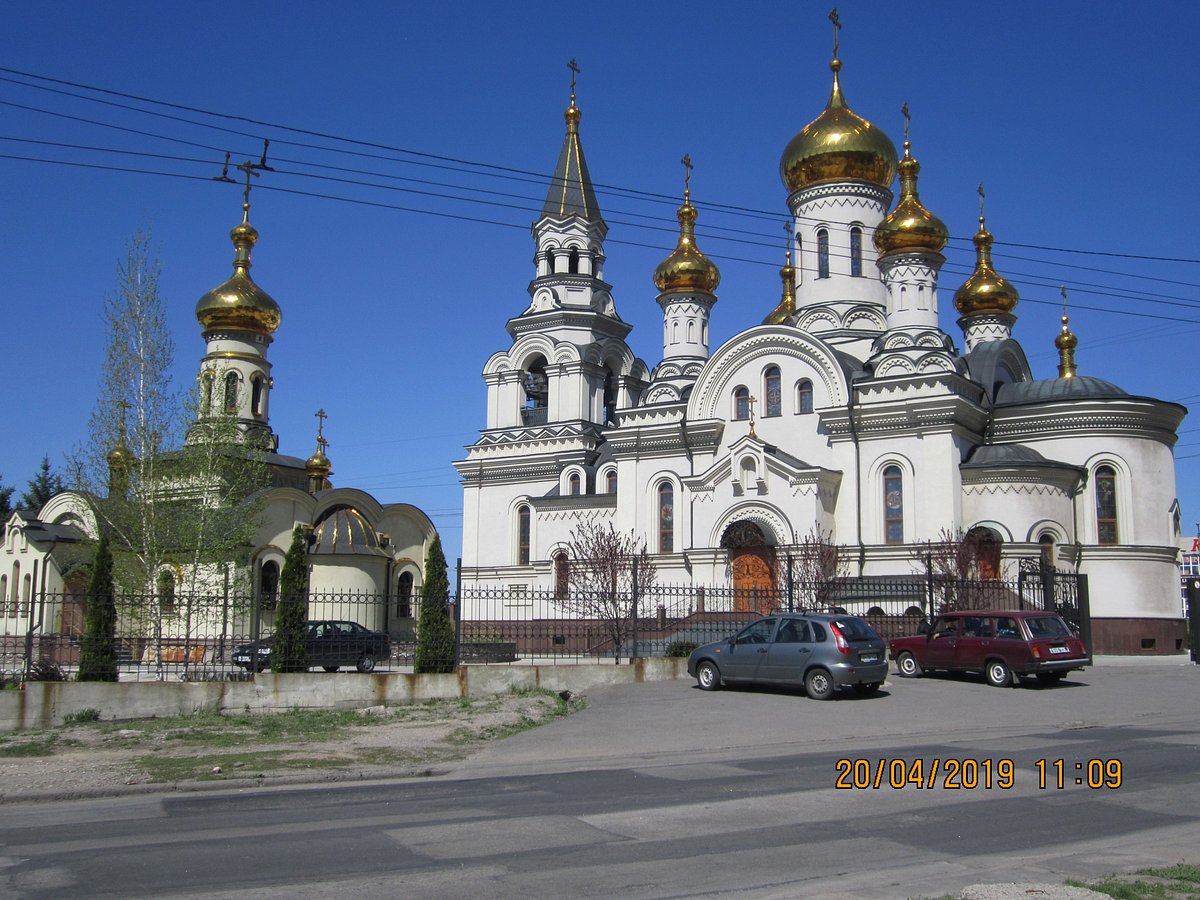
<point>1002,644</point>
<point>820,652</point>
<point>329,644</point>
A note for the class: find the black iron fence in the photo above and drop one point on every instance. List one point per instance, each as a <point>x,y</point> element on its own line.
<point>228,635</point>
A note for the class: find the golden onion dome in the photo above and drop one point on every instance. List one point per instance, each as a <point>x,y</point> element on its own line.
<point>985,291</point>
<point>239,303</point>
<point>910,226</point>
<point>782,313</point>
<point>838,145</point>
<point>120,455</point>
<point>318,464</point>
<point>687,269</point>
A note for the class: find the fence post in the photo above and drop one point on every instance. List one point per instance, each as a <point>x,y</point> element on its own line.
<point>1085,613</point>
<point>929,585</point>
<point>634,611</point>
<point>255,625</point>
<point>790,584</point>
<point>457,612</point>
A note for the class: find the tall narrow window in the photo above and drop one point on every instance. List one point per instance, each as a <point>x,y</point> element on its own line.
<point>523,536</point>
<point>823,253</point>
<point>610,481</point>
<point>610,398</point>
<point>231,392</point>
<point>856,252</point>
<point>804,398</point>
<point>166,591</point>
<point>256,395</point>
<point>573,484</point>
<point>562,574</point>
<point>893,506</point>
<point>1106,505</point>
<point>666,518</point>
<point>1046,546</point>
<point>26,594</point>
<point>771,383</point>
<point>206,387</point>
<point>4,593</point>
<point>268,583</point>
<point>741,403</point>
<point>573,262</point>
<point>16,581</point>
<point>404,592</point>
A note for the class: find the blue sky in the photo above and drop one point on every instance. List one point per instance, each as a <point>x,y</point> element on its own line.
<point>1079,118</point>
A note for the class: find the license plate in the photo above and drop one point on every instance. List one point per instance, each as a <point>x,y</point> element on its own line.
<point>868,659</point>
<point>1059,650</point>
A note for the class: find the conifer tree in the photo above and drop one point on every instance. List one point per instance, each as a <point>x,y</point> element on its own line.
<point>291,615</point>
<point>42,486</point>
<point>98,653</point>
<point>435,631</point>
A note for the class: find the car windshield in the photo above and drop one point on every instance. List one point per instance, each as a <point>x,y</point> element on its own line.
<point>1047,627</point>
<point>855,629</point>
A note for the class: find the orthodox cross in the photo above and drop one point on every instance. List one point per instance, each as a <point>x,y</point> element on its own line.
<point>250,169</point>
<point>321,416</point>
<point>574,67</point>
<point>752,401</point>
<point>687,176</point>
<point>837,25</point>
<point>980,189</point>
<point>1063,288</point>
<point>124,405</point>
<point>787,241</point>
<point>907,121</point>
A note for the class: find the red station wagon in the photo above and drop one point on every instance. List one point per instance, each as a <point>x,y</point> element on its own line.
<point>1000,643</point>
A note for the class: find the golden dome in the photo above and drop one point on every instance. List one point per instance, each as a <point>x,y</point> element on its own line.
<point>838,145</point>
<point>910,226</point>
<point>787,303</point>
<point>985,291</point>
<point>318,464</point>
<point>239,303</point>
<point>687,269</point>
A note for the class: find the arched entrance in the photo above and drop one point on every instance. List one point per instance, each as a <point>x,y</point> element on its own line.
<point>752,562</point>
<point>986,545</point>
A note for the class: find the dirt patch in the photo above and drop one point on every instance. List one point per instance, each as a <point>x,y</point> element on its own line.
<point>98,758</point>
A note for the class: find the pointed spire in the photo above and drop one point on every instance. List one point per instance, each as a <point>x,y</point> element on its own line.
<point>782,313</point>
<point>1066,343</point>
<point>985,292</point>
<point>571,192</point>
<point>836,101</point>
<point>687,268</point>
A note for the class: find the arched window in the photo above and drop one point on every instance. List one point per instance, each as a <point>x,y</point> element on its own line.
<point>562,574</point>
<point>823,253</point>
<point>573,262</point>
<point>773,393</point>
<point>268,583</point>
<point>1046,546</point>
<point>741,403</point>
<point>1106,505</point>
<point>16,581</point>
<point>748,473</point>
<point>404,592</point>
<point>537,390</point>
<point>231,393</point>
<point>4,595</point>
<point>610,397</point>
<point>893,506</point>
<point>666,518</point>
<point>799,260</point>
<point>523,536</point>
<point>573,484</point>
<point>856,252</point>
<point>166,591</point>
<point>26,593</point>
<point>804,398</point>
<point>549,262</point>
<point>610,481</point>
<point>256,395</point>
<point>206,387</point>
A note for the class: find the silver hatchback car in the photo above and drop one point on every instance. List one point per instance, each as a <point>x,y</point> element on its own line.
<point>820,652</point>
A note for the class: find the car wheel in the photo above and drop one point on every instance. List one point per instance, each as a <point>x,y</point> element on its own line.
<point>907,665</point>
<point>708,676</point>
<point>366,662</point>
<point>1050,677</point>
<point>865,689</point>
<point>998,673</point>
<point>330,668</point>
<point>818,684</point>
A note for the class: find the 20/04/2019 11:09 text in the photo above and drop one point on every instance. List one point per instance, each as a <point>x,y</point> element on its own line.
<point>951,773</point>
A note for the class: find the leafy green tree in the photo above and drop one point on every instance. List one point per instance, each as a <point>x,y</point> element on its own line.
<point>5,504</point>
<point>291,615</point>
<point>98,651</point>
<point>42,486</point>
<point>435,630</point>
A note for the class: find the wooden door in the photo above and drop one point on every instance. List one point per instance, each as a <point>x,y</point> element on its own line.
<point>753,580</point>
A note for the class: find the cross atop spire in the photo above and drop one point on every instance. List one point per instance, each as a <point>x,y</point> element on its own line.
<point>687,176</point>
<point>321,417</point>
<point>250,169</point>
<point>574,67</point>
<point>837,26</point>
<point>980,190</point>
<point>907,121</point>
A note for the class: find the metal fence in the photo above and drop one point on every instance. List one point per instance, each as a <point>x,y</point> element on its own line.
<point>229,636</point>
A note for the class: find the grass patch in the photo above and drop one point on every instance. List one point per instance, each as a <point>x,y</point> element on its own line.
<point>1179,882</point>
<point>87,714</point>
<point>43,746</point>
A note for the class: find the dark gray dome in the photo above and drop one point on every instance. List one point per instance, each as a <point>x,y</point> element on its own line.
<point>344,530</point>
<point>1048,390</point>
<point>990,456</point>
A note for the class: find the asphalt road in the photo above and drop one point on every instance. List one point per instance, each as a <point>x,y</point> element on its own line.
<point>661,790</point>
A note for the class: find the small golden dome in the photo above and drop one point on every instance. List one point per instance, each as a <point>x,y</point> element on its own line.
<point>120,455</point>
<point>318,464</point>
<point>787,303</point>
<point>910,226</point>
<point>985,291</point>
<point>687,269</point>
<point>838,145</point>
<point>239,303</point>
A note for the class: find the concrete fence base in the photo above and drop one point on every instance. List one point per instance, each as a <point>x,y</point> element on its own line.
<point>45,704</point>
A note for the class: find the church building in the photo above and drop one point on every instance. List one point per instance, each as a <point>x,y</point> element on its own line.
<point>845,412</point>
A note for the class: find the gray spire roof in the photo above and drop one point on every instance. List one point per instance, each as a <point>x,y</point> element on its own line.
<point>571,192</point>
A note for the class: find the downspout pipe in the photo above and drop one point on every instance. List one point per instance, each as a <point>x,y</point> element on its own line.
<point>858,518</point>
